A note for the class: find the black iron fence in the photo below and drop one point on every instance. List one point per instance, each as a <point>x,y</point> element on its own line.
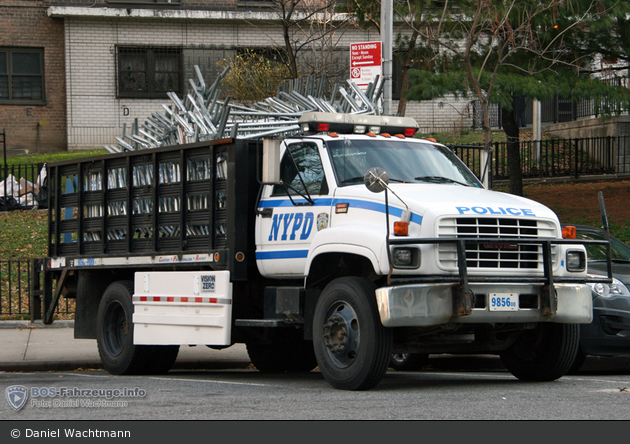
<point>15,297</point>
<point>555,157</point>
<point>22,187</point>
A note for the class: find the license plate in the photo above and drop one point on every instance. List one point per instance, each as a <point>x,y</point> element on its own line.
<point>503,302</point>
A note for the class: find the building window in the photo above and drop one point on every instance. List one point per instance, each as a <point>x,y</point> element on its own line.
<point>22,76</point>
<point>149,72</point>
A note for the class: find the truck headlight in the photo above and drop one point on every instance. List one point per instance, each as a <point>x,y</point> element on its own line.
<point>576,260</point>
<point>406,257</point>
<point>616,288</point>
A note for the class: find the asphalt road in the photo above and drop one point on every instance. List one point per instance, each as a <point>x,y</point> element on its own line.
<point>243,394</point>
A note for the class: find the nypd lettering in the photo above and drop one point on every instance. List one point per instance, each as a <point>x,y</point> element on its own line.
<point>496,210</point>
<point>289,226</point>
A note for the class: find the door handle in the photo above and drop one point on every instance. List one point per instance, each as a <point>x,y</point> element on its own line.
<point>265,212</point>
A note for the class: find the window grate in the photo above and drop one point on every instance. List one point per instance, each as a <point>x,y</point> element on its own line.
<point>22,76</point>
<point>149,72</point>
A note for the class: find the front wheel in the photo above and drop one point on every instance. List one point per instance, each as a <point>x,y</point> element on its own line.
<point>544,353</point>
<point>352,347</point>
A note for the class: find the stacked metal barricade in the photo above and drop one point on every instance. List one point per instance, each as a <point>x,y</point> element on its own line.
<point>202,116</point>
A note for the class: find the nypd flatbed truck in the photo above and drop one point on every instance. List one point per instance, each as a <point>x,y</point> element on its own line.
<point>335,248</point>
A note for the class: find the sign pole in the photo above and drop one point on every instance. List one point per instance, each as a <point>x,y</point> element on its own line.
<point>387,31</point>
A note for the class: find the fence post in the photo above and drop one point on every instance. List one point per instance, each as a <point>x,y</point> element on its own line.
<point>577,155</point>
<point>35,291</point>
<point>4,143</point>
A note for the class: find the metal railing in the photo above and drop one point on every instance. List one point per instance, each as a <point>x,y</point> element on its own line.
<point>15,298</point>
<point>555,157</point>
<point>565,157</point>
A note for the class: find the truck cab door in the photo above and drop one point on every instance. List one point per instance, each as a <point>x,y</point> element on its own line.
<point>287,214</point>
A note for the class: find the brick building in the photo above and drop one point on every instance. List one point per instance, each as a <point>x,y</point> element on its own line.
<point>32,77</point>
<point>119,57</point>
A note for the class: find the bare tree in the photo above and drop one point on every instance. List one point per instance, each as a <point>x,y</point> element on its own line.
<point>311,30</point>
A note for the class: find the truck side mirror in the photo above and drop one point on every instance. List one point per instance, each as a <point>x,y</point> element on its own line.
<point>271,161</point>
<point>376,179</point>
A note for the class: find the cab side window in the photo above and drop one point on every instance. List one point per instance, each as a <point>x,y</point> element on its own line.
<point>301,167</point>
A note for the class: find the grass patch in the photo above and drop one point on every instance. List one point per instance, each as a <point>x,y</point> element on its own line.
<point>53,157</point>
<point>23,234</point>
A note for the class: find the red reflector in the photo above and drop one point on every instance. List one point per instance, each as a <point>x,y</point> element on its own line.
<point>410,132</point>
<point>341,208</point>
<point>569,232</point>
<point>401,228</point>
<point>323,127</point>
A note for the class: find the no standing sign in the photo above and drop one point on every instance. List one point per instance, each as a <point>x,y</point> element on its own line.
<point>365,63</point>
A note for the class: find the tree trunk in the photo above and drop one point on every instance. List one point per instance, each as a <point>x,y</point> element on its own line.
<point>406,66</point>
<point>292,62</point>
<point>513,152</point>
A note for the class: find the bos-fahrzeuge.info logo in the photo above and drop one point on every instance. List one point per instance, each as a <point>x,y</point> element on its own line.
<point>45,397</point>
<point>16,396</point>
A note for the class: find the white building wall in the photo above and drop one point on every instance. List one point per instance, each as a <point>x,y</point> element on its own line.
<point>96,115</point>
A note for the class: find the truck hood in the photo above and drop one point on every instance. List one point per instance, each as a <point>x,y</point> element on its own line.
<point>444,199</point>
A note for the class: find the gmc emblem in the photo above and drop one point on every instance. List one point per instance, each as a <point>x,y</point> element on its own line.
<point>500,245</point>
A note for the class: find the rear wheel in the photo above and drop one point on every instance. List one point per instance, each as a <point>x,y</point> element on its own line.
<point>287,352</point>
<point>353,348</point>
<point>544,353</point>
<point>114,336</point>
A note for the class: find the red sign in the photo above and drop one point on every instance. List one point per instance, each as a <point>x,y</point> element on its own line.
<point>365,62</point>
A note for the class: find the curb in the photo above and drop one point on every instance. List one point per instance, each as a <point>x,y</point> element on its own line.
<point>36,324</point>
<point>51,366</point>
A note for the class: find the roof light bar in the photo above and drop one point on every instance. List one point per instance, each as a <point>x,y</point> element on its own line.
<point>311,123</point>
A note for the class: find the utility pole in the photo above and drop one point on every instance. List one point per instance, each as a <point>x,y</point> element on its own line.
<point>387,31</point>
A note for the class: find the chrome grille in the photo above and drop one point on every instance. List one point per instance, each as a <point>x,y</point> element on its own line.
<point>495,255</point>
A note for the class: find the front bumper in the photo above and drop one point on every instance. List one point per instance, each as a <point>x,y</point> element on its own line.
<point>424,305</point>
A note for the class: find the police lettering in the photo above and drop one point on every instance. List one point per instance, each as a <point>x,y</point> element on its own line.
<point>496,210</point>
<point>291,225</point>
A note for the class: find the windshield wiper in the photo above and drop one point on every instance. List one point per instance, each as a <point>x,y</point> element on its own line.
<point>441,179</point>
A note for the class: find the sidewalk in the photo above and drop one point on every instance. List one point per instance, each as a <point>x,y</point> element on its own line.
<point>38,347</point>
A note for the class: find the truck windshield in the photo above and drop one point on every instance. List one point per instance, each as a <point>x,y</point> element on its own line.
<point>404,160</point>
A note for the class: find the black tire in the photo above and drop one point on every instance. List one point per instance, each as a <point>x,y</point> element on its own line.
<point>544,353</point>
<point>579,361</point>
<point>408,362</point>
<point>114,336</point>
<point>352,347</point>
<point>287,352</point>
<point>162,358</point>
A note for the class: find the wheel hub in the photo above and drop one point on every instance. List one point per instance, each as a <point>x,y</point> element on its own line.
<point>341,335</point>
